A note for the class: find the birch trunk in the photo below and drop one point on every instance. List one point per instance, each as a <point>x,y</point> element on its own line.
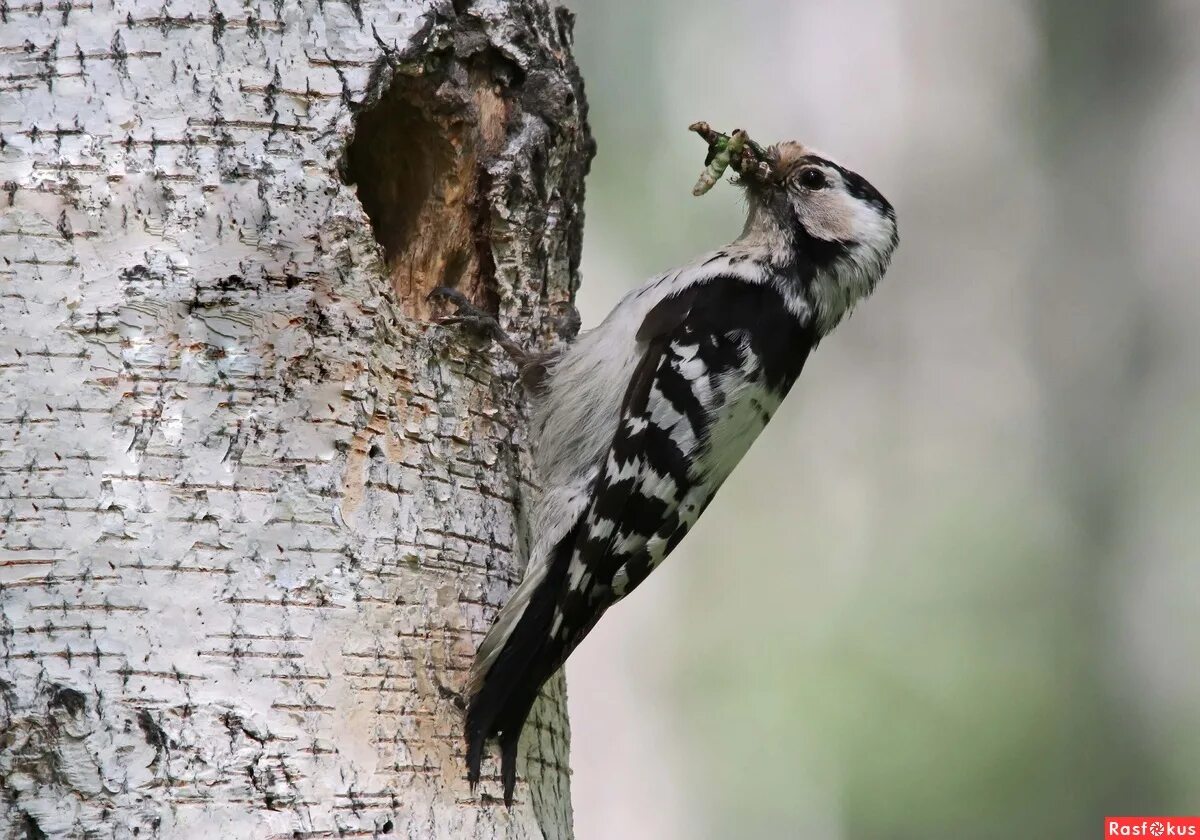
<point>256,509</point>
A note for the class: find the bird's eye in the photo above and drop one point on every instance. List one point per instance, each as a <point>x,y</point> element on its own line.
<point>813,179</point>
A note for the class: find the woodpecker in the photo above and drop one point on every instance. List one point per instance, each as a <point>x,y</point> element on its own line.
<point>637,423</point>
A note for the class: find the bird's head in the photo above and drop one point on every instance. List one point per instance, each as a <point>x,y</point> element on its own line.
<point>821,209</point>
<point>828,234</point>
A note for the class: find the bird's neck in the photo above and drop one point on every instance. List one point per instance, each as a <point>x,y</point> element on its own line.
<point>830,277</point>
<point>774,242</point>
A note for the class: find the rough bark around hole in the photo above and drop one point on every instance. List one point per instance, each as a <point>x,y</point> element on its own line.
<point>255,512</point>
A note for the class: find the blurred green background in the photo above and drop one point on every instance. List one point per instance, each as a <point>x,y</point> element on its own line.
<point>953,591</point>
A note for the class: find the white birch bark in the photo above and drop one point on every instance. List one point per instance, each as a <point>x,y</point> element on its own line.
<point>255,509</point>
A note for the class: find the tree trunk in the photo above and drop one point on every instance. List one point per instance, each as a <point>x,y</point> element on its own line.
<point>256,510</point>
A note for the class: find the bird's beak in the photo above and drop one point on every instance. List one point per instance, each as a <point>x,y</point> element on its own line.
<point>755,164</point>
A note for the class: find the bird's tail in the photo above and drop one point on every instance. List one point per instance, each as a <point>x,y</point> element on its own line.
<point>514,660</point>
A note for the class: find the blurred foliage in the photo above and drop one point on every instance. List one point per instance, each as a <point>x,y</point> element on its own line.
<point>953,591</point>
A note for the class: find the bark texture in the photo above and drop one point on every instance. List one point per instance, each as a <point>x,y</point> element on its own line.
<point>255,509</point>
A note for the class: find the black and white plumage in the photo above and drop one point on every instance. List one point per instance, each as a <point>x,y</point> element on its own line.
<point>641,419</point>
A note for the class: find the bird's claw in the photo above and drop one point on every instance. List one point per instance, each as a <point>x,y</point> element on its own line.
<point>471,316</point>
<point>460,301</point>
<point>466,313</point>
<point>482,323</point>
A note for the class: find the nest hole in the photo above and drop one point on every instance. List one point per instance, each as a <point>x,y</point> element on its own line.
<point>421,186</point>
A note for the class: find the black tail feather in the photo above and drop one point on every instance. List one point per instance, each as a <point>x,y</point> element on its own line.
<point>475,740</point>
<point>508,763</point>
<point>501,707</point>
<point>529,657</point>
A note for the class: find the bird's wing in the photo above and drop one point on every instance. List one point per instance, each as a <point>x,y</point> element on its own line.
<point>719,358</point>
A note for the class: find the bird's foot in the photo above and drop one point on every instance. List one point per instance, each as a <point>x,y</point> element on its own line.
<point>472,317</point>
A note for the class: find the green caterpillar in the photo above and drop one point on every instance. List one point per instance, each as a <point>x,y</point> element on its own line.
<point>723,148</point>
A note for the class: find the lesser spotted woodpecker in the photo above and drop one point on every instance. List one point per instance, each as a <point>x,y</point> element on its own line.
<point>639,421</point>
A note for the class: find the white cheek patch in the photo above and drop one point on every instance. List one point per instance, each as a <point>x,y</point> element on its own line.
<point>871,228</point>
<point>834,215</point>
<point>825,216</point>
